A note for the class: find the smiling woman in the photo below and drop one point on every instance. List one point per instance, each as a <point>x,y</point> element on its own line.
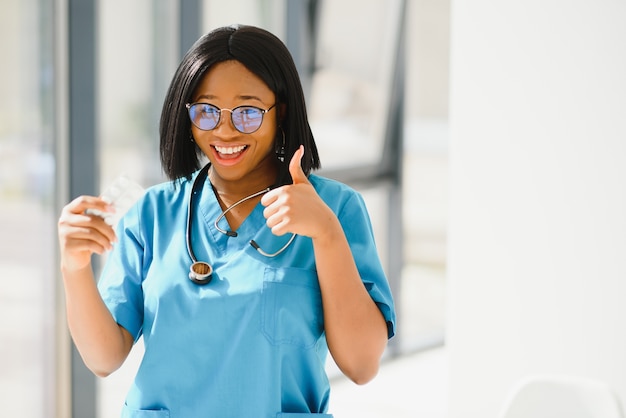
<point>80,105</point>
<point>317,288</point>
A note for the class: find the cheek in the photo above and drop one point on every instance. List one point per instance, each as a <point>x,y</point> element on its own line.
<point>201,141</point>
<point>265,140</point>
<point>265,149</point>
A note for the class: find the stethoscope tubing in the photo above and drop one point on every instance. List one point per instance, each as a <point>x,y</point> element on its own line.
<point>201,272</point>
<point>190,210</point>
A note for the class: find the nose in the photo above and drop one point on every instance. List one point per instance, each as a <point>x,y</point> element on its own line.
<point>226,120</point>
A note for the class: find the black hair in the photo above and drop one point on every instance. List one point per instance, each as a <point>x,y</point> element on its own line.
<point>268,58</point>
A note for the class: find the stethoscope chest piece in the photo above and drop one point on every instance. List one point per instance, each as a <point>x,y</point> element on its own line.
<point>200,272</point>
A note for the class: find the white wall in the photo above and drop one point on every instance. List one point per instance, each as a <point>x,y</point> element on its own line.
<point>537,250</point>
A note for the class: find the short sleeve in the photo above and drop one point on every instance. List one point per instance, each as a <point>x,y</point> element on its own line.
<point>357,226</point>
<point>121,278</point>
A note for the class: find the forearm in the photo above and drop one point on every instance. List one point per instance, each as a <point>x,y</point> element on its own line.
<point>102,343</point>
<point>355,328</point>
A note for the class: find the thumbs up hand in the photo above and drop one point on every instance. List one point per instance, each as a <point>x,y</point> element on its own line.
<point>296,208</point>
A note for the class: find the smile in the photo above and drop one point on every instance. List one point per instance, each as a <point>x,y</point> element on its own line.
<point>230,150</point>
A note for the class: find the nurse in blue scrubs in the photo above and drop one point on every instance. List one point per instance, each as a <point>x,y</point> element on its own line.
<point>245,270</point>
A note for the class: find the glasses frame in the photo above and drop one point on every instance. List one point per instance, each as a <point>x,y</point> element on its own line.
<point>232,112</point>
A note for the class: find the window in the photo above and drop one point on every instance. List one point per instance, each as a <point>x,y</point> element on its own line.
<point>27,212</point>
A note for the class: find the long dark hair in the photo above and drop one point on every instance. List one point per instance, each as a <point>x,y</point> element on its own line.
<point>263,54</point>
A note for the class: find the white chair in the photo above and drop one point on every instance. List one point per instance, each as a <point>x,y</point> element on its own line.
<point>555,396</point>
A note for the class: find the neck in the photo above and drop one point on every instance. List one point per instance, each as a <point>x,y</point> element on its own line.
<point>237,198</point>
<point>230,191</point>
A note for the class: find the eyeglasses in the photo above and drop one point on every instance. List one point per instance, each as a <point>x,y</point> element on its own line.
<point>246,119</point>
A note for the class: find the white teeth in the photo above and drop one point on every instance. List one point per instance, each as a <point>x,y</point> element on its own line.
<point>230,150</point>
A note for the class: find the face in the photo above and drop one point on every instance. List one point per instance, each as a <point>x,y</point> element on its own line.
<point>237,157</point>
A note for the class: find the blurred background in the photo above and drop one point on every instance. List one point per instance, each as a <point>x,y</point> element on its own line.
<point>488,139</point>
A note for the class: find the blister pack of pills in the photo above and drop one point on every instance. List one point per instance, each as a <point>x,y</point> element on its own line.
<point>122,193</point>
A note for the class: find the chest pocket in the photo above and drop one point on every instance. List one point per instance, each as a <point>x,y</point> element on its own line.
<point>128,412</point>
<point>291,307</point>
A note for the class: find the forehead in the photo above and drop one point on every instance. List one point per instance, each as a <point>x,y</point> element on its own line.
<point>231,80</point>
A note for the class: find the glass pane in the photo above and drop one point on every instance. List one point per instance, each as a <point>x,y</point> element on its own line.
<point>268,14</point>
<point>137,49</point>
<point>351,85</point>
<point>27,215</point>
<point>425,174</point>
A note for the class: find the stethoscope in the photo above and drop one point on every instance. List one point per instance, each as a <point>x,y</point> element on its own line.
<point>201,272</point>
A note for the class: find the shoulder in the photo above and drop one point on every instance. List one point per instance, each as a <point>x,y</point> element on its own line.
<point>335,193</point>
<point>327,186</point>
<point>157,208</point>
<point>170,191</point>
<point>167,198</point>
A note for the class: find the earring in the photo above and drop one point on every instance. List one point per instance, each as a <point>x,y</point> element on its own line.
<point>280,149</point>
<point>191,138</point>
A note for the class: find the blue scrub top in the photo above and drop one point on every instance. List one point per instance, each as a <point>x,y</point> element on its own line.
<point>250,343</point>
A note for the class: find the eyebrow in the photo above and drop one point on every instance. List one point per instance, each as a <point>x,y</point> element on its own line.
<point>240,97</point>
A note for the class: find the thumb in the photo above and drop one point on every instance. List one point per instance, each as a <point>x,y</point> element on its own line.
<point>295,169</point>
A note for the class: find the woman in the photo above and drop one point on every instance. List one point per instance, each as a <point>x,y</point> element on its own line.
<point>286,270</point>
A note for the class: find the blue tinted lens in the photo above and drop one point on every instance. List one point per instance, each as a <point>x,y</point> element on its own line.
<point>247,119</point>
<point>204,116</point>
